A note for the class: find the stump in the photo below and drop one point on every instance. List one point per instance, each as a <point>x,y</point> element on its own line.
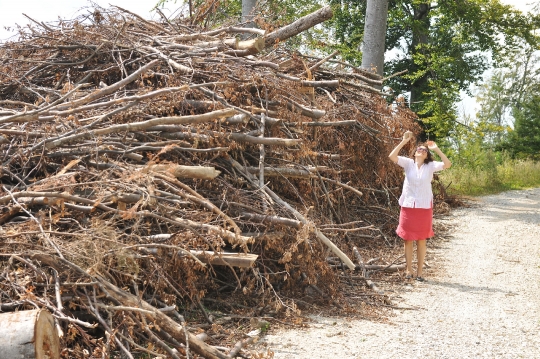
<point>28,334</point>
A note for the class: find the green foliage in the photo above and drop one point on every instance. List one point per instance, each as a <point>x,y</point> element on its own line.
<point>510,99</point>
<point>524,141</point>
<point>480,167</point>
<point>500,175</point>
<point>273,13</point>
<point>444,46</point>
<point>347,27</point>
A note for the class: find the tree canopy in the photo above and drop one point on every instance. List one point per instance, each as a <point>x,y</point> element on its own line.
<point>445,46</point>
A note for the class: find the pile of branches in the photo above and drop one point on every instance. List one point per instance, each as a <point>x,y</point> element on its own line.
<point>152,168</point>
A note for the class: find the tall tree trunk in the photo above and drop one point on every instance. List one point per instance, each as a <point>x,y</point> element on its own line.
<point>248,12</point>
<point>373,45</point>
<point>420,38</point>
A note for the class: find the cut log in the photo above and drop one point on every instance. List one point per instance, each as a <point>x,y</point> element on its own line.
<point>241,260</point>
<point>240,137</point>
<point>298,26</point>
<point>365,87</point>
<point>28,334</point>
<point>272,219</point>
<point>330,124</point>
<point>304,110</point>
<point>306,172</point>
<point>310,83</point>
<point>385,268</point>
<point>180,171</point>
<point>237,119</point>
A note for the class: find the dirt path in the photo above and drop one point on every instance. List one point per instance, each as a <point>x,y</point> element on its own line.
<point>483,302</point>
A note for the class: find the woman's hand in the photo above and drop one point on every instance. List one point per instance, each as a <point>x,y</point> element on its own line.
<point>394,154</point>
<point>433,146</point>
<point>407,135</point>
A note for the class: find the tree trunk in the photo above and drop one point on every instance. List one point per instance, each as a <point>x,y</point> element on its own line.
<point>373,45</point>
<point>299,25</point>
<point>420,37</point>
<point>248,12</point>
<point>28,334</point>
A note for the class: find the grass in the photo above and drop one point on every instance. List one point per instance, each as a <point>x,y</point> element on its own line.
<point>492,178</point>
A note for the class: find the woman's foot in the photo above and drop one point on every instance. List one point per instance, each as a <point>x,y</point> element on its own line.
<point>408,276</point>
<point>420,279</point>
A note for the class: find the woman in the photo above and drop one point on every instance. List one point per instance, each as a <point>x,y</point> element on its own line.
<point>416,201</point>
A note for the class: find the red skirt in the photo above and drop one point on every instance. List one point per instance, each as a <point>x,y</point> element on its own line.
<point>415,223</point>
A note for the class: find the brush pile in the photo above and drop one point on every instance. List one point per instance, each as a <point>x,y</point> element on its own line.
<point>154,170</point>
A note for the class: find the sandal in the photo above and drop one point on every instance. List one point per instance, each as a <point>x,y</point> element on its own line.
<point>420,279</point>
<point>408,276</point>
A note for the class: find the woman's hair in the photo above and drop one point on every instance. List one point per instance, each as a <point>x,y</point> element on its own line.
<point>429,157</point>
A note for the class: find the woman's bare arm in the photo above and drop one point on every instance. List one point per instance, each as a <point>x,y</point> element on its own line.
<point>395,152</point>
<point>433,146</point>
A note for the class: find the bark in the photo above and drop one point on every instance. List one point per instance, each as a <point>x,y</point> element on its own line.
<point>309,83</point>
<point>363,267</point>
<point>248,12</point>
<point>373,45</point>
<point>366,88</point>
<point>241,260</point>
<point>298,26</point>
<point>287,142</point>
<point>304,110</point>
<point>260,218</point>
<point>390,268</point>
<point>179,171</point>
<point>288,172</point>
<point>332,124</point>
<point>420,38</point>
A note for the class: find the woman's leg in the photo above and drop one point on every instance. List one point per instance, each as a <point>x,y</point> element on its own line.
<point>408,246</point>
<point>420,256</point>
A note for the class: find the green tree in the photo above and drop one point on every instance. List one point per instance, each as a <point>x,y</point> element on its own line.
<point>524,141</point>
<point>211,13</point>
<point>507,99</point>
<point>445,46</point>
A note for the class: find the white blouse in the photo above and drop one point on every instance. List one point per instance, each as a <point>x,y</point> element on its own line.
<point>417,191</point>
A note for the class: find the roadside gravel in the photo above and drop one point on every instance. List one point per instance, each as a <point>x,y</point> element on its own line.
<point>481,298</point>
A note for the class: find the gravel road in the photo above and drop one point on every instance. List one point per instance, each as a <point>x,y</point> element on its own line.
<point>483,301</point>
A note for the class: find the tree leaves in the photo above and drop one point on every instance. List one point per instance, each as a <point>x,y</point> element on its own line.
<point>445,46</point>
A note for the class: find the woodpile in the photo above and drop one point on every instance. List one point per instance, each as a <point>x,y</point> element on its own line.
<point>150,168</point>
